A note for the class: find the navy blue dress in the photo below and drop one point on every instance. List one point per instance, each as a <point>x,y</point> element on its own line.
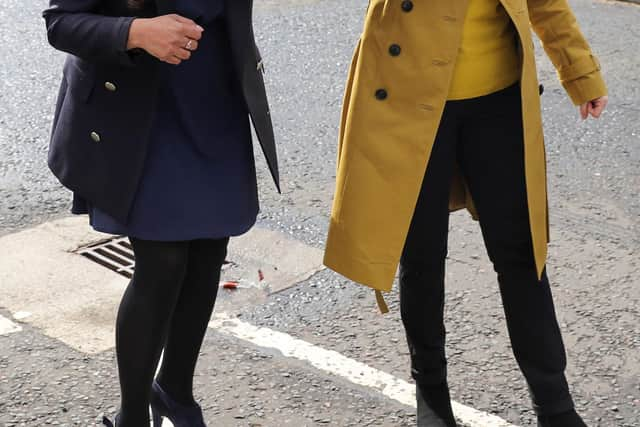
<point>199,179</point>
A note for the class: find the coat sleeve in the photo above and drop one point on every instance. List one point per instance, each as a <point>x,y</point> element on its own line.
<point>578,68</point>
<point>77,27</point>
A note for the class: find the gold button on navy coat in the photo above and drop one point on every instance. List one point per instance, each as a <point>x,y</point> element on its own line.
<point>392,108</point>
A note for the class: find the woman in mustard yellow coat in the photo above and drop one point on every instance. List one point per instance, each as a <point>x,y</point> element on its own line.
<point>442,111</point>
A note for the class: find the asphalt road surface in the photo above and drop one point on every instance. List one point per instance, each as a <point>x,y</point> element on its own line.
<point>594,173</point>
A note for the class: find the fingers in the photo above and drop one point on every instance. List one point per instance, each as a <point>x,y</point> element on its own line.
<point>185,21</point>
<point>173,60</point>
<point>593,108</point>
<point>188,28</point>
<point>182,54</point>
<point>177,56</point>
<point>173,38</point>
<point>192,31</point>
<point>595,112</point>
<point>180,18</point>
<point>584,110</point>
<point>191,44</point>
<point>186,40</point>
<point>598,106</point>
<point>183,50</point>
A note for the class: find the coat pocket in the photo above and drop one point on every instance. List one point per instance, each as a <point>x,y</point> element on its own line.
<point>80,78</point>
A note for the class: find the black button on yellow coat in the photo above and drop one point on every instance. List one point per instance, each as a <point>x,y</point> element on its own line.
<point>395,50</point>
<point>407,5</point>
<point>381,94</point>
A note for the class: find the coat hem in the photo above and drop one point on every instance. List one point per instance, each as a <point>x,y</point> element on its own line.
<point>378,277</point>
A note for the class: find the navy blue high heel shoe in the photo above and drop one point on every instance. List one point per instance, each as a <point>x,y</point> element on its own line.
<point>163,406</point>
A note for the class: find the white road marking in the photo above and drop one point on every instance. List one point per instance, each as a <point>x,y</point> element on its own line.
<point>8,327</point>
<point>336,364</point>
<point>21,315</point>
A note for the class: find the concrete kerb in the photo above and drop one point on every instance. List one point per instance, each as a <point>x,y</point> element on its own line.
<point>55,290</point>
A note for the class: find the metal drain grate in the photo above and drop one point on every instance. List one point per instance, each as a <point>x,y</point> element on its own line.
<point>116,254</point>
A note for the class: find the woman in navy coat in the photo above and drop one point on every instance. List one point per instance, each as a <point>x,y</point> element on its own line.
<point>151,133</point>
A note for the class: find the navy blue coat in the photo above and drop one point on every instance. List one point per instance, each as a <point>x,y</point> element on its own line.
<point>107,97</point>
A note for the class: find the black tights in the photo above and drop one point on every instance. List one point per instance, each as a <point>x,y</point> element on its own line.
<point>167,305</point>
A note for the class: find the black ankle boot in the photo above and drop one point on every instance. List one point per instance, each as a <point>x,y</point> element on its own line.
<point>434,406</point>
<point>107,422</point>
<point>564,419</point>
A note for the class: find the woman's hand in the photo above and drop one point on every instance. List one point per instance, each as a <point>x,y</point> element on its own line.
<point>170,38</point>
<point>594,107</point>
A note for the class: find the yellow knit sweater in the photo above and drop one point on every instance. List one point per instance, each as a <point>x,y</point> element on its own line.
<point>488,58</point>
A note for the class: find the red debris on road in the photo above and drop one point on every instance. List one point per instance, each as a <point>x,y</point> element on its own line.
<point>230,285</point>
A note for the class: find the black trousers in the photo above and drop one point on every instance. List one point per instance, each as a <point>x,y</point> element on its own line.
<point>484,137</point>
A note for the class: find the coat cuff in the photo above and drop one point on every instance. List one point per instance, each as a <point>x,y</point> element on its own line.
<point>581,67</point>
<point>123,26</point>
<point>582,80</point>
<point>586,88</point>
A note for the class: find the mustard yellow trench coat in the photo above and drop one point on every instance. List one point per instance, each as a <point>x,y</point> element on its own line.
<point>385,142</point>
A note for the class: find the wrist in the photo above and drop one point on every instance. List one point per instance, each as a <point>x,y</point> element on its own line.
<point>136,34</point>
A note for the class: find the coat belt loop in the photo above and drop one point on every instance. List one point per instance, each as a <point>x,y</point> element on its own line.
<point>382,305</point>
